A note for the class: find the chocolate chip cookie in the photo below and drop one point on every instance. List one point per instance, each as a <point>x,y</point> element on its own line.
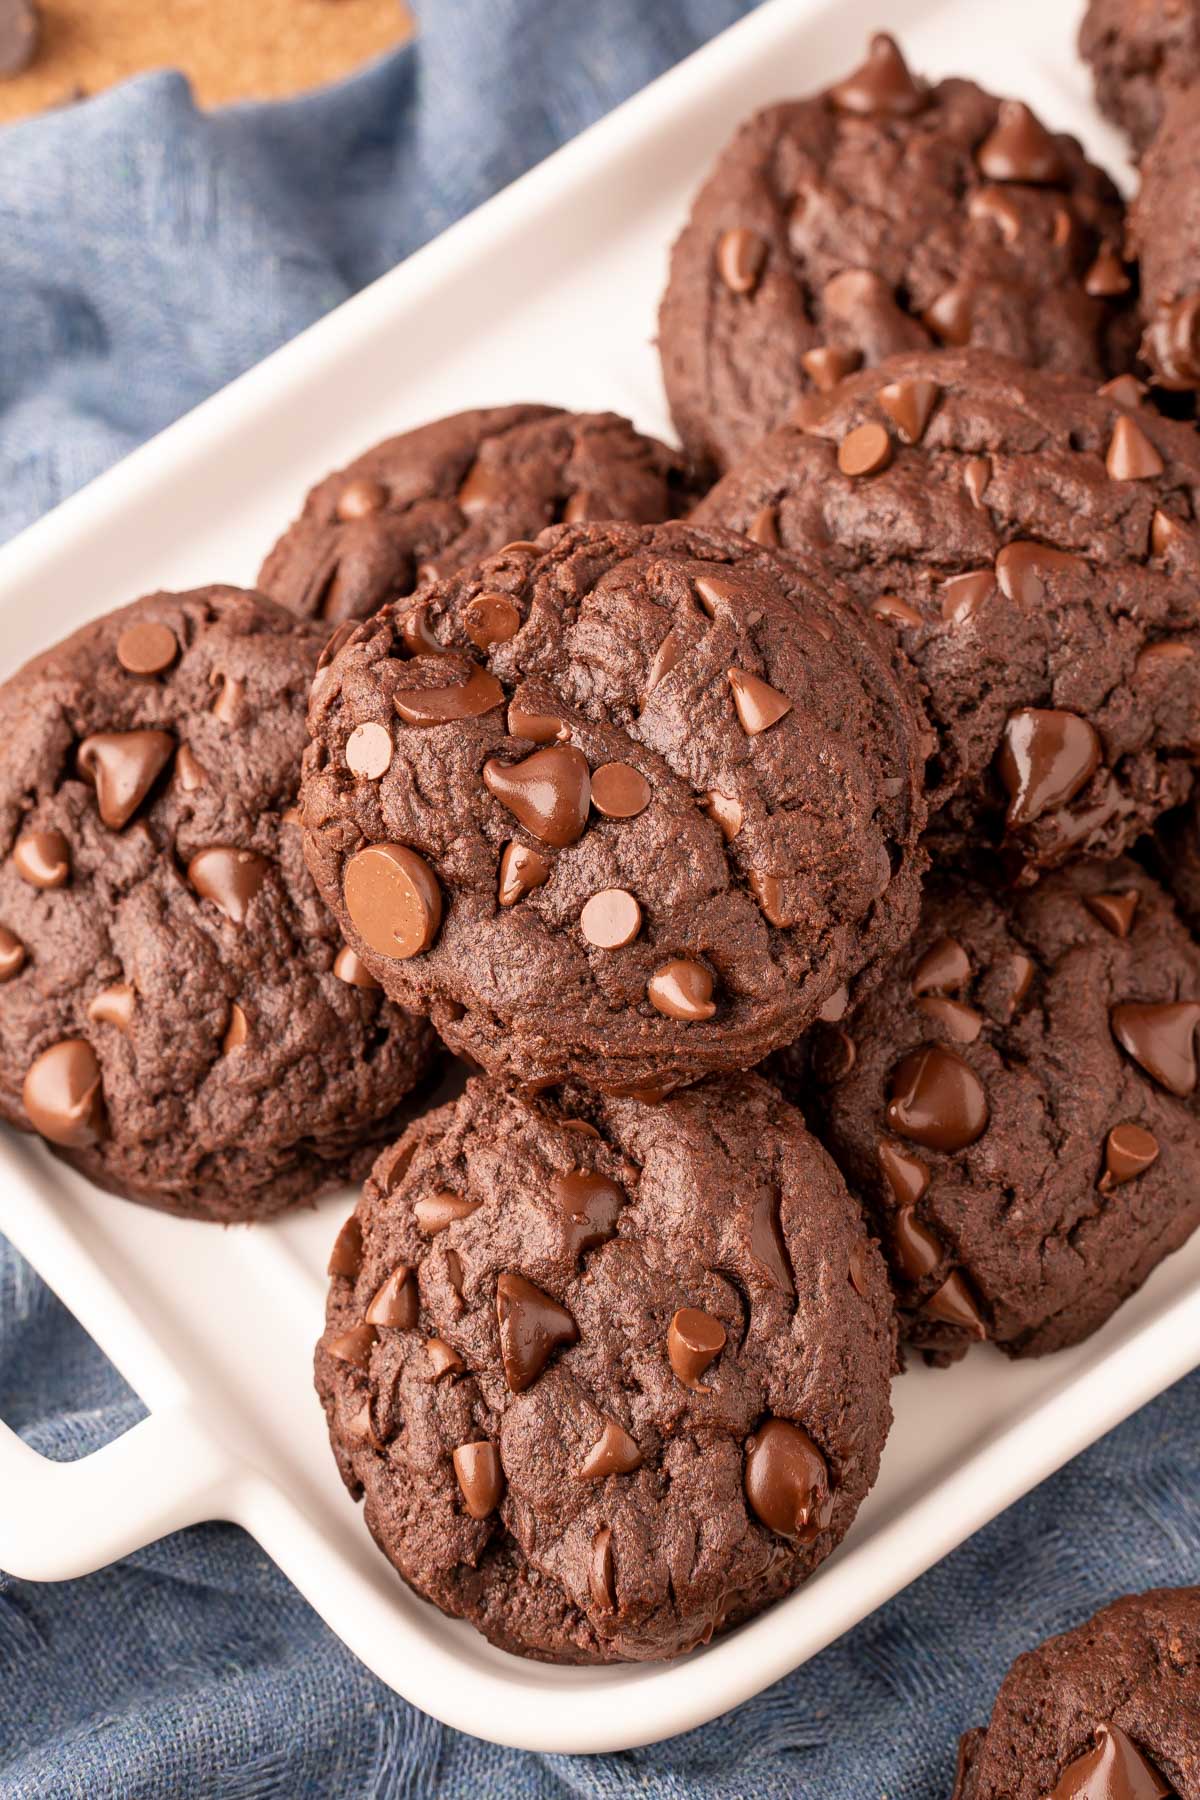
<point>178,1015</point>
<point>1164,234</point>
<point>1017,1104</point>
<point>880,216</point>
<point>1141,51</point>
<point>610,1377</point>
<point>629,803</point>
<point>1108,1711</point>
<point>426,503</point>
<point>1033,545</point>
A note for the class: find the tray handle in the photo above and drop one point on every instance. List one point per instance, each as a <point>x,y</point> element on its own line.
<point>60,1519</point>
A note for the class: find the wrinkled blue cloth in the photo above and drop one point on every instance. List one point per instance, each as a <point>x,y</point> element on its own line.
<point>147,254</point>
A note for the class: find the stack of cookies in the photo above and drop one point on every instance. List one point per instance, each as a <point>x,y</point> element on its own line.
<point>792,836</point>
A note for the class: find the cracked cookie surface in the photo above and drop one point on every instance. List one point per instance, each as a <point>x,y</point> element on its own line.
<point>1033,545</point>
<point>628,804</point>
<point>425,503</point>
<point>180,1018</point>
<point>1016,1103</point>
<point>609,1377</point>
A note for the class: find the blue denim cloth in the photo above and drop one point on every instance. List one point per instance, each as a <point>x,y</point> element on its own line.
<point>147,254</point>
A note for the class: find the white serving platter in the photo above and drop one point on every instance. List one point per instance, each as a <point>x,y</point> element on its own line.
<point>547,293</point>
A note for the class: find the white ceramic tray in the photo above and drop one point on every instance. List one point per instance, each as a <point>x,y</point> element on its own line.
<point>548,293</point>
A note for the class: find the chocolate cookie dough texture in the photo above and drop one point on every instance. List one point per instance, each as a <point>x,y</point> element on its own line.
<point>1164,235</point>
<point>885,215</point>
<point>1016,1103</point>
<point>1108,1711</point>
<point>1031,541</point>
<point>424,504</point>
<point>1141,53</point>
<point>178,1015</point>
<point>627,804</point>
<point>609,1377</point>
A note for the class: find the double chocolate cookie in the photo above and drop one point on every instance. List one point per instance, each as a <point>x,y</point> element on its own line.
<point>1017,1105</point>
<point>1033,544</point>
<point>178,1016</point>
<point>629,804</point>
<point>426,503</point>
<point>609,1377</point>
<point>1108,1711</point>
<point>880,216</point>
<point>1164,234</point>
<point>1141,52</point>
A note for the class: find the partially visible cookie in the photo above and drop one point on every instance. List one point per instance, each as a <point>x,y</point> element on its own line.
<point>1033,544</point>
<point>880,216</point>
<point>1108,1711</point>
<point>1164,235</point>
<point>1140,52</point>
<point>609,1377</point>
<point>178,1016</point>
<point>628,804</point>
<point>424,504</point>
<point>1017,1105</point>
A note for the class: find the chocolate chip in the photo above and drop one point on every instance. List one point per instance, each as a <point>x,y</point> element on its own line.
<point>12,954</point>
<point>468,699</point>
<point>1166,533</point>
<point>1113,1769</point>
<point>491,619</point>
<point>600,1570</point>
<point>952,314</point>
<point>237,1030</point>
<point>963,595</point>
<point>957,1020</point>
<point>393,899</point>
<point>229,877</point>
<point>123,766</point>
<point>758,706</point>
<point>354,1346</point>
<point>945,968</point>
<point>764,527</point>
<point>538,727</point>
<point>1046,757</point>
<point>443,1358</point>
<point>189,773</point>
<point>1161,1038</point>
<point>548,792</point>
<point>725,812</point>
<point>682,989</point>
<point>1129,1151</point>
<point>835,1007</point>
<point>62,1095</point>
<point>620,791</point>
<point>611,919</point>
<point>417,633</point>
<point>741,254</point>
<point>1020,567</point>
<point>42,858</point>
<point>977,473</point>
<point>613,1453</point>
<point>590,1205</point>
<point>1114,911</point>
<point>766,1244</point>
<point>1020,149</point>
<point>908,404</point>
<point>859,1265</point>
<point>480,1477</point>
<point>231,691</point>
<point>937,1100</point>
<point>1172,341</point>
<point>694,1340</point>
<point>827,365</point>
<point>666,657</point>
<point>20,35</point>
<point>1019,972</point>
<point>349,967</point>
<point>521,870</point>
<point>865,451</point>
<point>359,499</point>
<point>440,1210</point>
<point>787,1481</point>
<point>915,1247</point>
<point>1131,456</point>
<point>1107,276</point>
<point>485,486</point>
<point>347,1254</point>
<point>1124,390</point>
<point>147,648</point>
<point>768,891</point>
<point>906,1175</point>
<point>396,1303</point>
<point>369,750</point>
<point>954,1304</point>
<point>997,208</point>
<point>890,609</point>
<point>883,85</point>
<point>532,1326</point>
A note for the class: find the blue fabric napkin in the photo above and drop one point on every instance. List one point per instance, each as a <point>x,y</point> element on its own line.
<point>147,254</point>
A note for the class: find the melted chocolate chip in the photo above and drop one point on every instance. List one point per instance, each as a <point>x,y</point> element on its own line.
<point>12,954</point>
<point>1045,759</point>
<point>468,699</point>
<point>906,1175</point>
<point>439,1211</point>
<point>480,1477</point>
<point>354,1346</point>
<point>945,968</point>
<point>1161,1038</point>
<point>369,750</point>
<point>937,1100</point>
<point>954,1304</point>
<point>916,1249</point>
<point>491,619</point>
<point>532,1326</point>
<point>548,792</point>
<point>1020,149</point>
<point>682,990</point>
<point>601,1578</point>
<point>63,1097</point>
<point>42,858</point>
<point>349,967</point>
<point>1113,1769</point>
<point>146,648</point>
<point>443,1358</point>
<point>787,1481</point>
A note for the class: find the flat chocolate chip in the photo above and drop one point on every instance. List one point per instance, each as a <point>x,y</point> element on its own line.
<point>619,791</point>
<point>611,919</point>
<point>767,1246</point>
<point>532,1326</point>
<point>1114,911</point>
<point>393,899</point>
<point>468,699</point>
<point>945,968</point>
<point>954,1304</point>
<point>369,750</point>
<point>1020,149</point>
<point>147,648</point>
<point>491,619</point>
<point>937,1100</point>
<point>741,254</point>
<point>1131,456</point>
<point>480,1477</point>
<point>42,858</point>
<point>354,1346</point>
<point>1129,1151</point>
<point>521,870</point>
<point>123,766</point>
<point>601,1580</point>
<point>864,451</point>
<point>1161,1039</point>
<point>682,989</point>
<point>694,1340</point>
<point>613,1453</point>
<point>883,85</point>
<point>758,706</point>
<point>787,1481</point>
<point>347,1254</point>
<point>906,1175</point>
<point>229,877</point>
<point>63,1096</point>
<point>1045,759</point>
<point>1113,1769</point>
<point>548,792</point>
<point>12,954</point>
<point>859,1265</point>
<point>349,967</point>
<point>908,404</point>
<point>396,1303</point>
<point>590,1204</point>
<point>440,1210</point>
